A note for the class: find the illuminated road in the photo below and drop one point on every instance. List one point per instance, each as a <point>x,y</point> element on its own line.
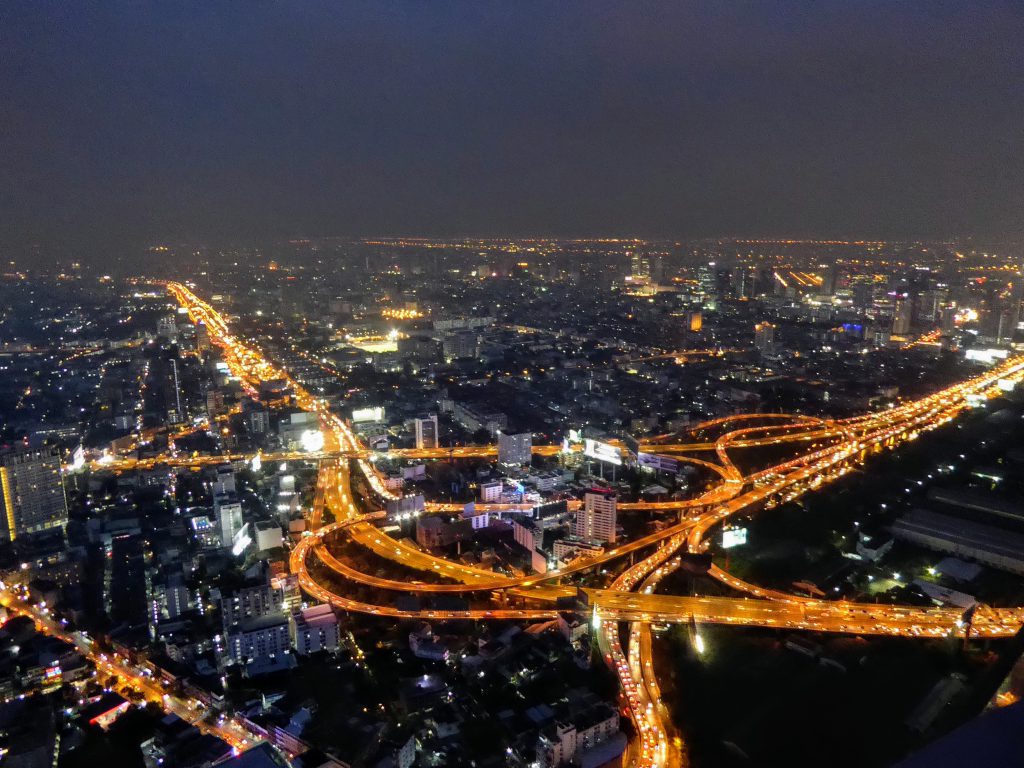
<point>193,711</point>
<point>830,449</point>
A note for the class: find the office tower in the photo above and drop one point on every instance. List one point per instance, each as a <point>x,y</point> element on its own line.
<point>167,327</point>
<point>742,282</point>
<point>764,338</point>
<point>229,518</point>
<point>706,279</point>
<point>259,421</point>
<point>596,521</point>
<point>657,269</point>
<point>948,322</point>
<point>176,414</point>
<point>515,449</point>
<point>829,280</point>
<point>902,313</point>
<point>695,321</point>
<point>224,484</point>
<point>250,602</point>
<point>426,431</point>
<point>931,303</point>
<point>33,492</point>
<point>459,345</point>
<point>1007,325</point>
<point>640,268</point>
<point>202,338</point>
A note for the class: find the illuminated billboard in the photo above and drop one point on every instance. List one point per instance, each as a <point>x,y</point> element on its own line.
<point>986,356</point>
<point>368,414</point>
<point>602,451</point>
<point>733,537</point>
<point>312,440</point>
<point>658,462</point>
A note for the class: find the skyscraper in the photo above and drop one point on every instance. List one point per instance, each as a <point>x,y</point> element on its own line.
<point>829,280</point>
<point>460,345</point>
<point>175,412</point>
<point>515,449</point>
<point>901,316</point>
<point>596,521</point>
<point>764,338</point>
<point>640,268</point>
<point>33,492</point>
<point>426,431</point>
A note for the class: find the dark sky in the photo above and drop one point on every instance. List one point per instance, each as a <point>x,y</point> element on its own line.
<point>133,121</point>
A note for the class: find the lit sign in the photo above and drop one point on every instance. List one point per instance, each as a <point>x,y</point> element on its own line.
<point>242,541</point>
<point>312,440</point>
<point>368,414</point>
<point>986,356</point>
<point>601,451</point>
<point>657,462</point>
<point>733,537</point>
<point>78,458</point>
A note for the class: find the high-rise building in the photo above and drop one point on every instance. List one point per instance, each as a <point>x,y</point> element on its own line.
<point>640,268</point>
<point>202,338</point>
<point>259,421</point>
<point>167,328</point>
<point>829,280</point>
<point>460,345</point>
<point>260,640</point>
<point>515,449</point>
<point>175,413</point>
<point>426,431</point>
<point>764,338</point>
<point>742,281</point>
<point>596,521</point>
<point>902,313</point>
<point>33,492</point>
<point>695,321</point>
<point>657,269</point>
<point>314,629</point>
<point>229,518</point>
<point>250,602</point>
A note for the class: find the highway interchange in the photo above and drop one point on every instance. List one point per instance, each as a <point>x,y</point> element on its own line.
<point>824,450</point>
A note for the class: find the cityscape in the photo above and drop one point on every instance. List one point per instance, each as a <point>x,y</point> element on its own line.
<point>617,491</point>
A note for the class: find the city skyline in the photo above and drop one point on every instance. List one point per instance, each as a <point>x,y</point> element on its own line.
<point>451,384</point>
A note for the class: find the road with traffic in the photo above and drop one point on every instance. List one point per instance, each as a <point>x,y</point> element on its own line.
<point>825,450</point>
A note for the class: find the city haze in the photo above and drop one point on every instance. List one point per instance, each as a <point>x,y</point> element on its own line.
<point>132,124</point>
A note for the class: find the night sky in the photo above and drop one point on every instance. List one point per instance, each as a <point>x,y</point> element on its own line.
<point>139,122</point>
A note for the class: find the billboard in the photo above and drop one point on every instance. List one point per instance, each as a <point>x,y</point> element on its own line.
<point>602,451</point>
<point>312,440</point>
<point>658,462</point>
<point>368,414</point>
<point>986,356</point>
<point>733,537</point>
